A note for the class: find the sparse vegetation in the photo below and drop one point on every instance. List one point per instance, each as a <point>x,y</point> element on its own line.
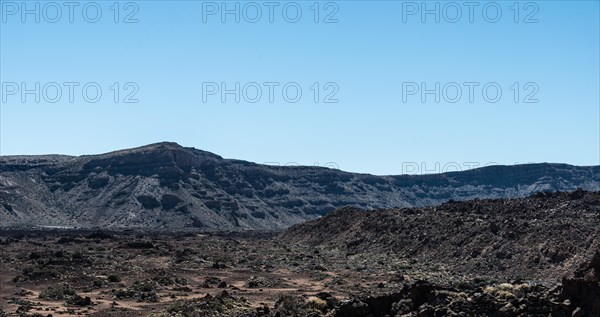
<point>113,278</point>
<point>349,272</point>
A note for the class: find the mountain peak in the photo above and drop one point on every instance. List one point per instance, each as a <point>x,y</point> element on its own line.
<point>167,144</point>
<point>158,148</point>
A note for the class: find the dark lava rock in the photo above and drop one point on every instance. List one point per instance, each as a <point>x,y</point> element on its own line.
<point>528,237</point>
<point>420,292</point>
<point>583,287</point>
<point>380,305</point>
<point>578,194</point>
<point>352,308</point>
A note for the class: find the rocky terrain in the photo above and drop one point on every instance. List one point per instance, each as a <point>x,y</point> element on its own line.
<point>540,237</point>
<point>166,186</point>
<point>541,259</point>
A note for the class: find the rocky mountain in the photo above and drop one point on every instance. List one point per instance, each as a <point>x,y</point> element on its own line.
<point>545,235</point>
<point>167,186</point>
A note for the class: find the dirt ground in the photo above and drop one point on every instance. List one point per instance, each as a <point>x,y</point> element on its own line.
<point>127,274</point>
<point>60,272</point>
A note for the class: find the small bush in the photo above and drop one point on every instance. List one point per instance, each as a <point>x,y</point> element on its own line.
<point>98,283</point>
<point>288,305</point>
<point>62,291</point>
<point>68,240</point>
<point>99,235</point>
<point>79,301</point>
<point>32,273</point>
<point>114,278</point>
<point>139,245</point>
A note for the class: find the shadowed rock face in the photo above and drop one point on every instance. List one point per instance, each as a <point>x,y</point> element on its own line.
<point>583,287</point>
<point>166,186</point>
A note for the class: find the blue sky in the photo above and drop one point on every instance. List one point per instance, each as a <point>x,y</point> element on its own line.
<point>367,59</point>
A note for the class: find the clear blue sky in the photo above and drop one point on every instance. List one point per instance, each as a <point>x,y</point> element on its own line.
<point>373,56</point>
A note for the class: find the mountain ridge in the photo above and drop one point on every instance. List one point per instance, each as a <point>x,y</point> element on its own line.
<point>168,186</point>
<point>175,146</point>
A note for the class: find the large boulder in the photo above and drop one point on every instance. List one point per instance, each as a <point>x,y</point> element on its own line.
<point>583,287</point>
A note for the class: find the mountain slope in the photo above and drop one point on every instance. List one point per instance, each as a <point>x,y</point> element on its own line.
<point>545,235</point>
<point>166,186</point>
